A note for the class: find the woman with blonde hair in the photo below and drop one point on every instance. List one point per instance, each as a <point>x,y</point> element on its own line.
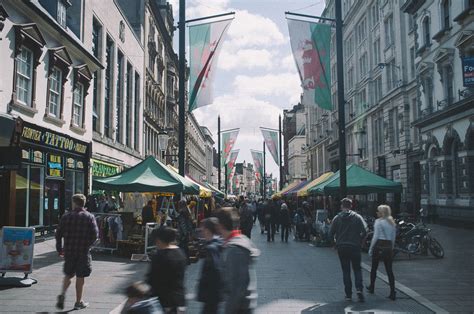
<point>381,247</point>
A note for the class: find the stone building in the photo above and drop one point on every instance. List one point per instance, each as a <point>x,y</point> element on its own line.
<point>443,34</point>
<point>209,148</point>
<point>45,110</point>
<point>196,164</point>
<point>294,125</point>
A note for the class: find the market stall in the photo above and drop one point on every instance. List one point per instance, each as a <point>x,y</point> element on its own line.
<point>279,194</point>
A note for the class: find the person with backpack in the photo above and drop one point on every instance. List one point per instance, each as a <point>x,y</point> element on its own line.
<point>285,222</point>
<point>209,288</point>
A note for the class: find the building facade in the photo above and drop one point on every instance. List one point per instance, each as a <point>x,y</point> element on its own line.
<point>45,108</point>
<point>209,148</point>
<point>117,91</point>
<point>297,158</point>
<point>294,124</point>
<point>443,34</point>
<point>196,153</point>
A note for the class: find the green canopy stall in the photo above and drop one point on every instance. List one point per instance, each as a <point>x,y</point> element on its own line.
<point>150,175</point>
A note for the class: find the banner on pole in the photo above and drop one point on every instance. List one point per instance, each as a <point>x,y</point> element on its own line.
<point>228,140</point>
<point>311,44</point>
<point>232,158</point>
<point>271,140</point>
<point>258,163</point>
<point>205,42</point>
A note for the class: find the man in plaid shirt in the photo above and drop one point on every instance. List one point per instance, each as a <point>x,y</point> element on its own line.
<point>79,230</point>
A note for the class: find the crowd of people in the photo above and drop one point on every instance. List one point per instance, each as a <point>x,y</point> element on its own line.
<point>228,279</point>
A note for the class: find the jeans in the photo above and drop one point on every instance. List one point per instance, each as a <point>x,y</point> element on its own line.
<point>270,231</point>
<point>284,233</point>
<point>350,255</point>
<point>210,308</point>
<point>387,257</point>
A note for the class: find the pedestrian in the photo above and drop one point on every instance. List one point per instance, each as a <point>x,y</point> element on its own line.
<point>210,283</point>
<point>269,224</point>
<point>246,219</point>
<point>284,222</point>
<point>239,255</point>
<point>349,229</point>
<point>79,230</point>
<point>261,216</point>
<point>138,301</point>
<point>381,248</point>
<point>147,214</point>
<point>166,272</point>
<point>185,227</point>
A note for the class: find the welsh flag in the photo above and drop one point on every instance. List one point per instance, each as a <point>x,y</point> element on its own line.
<point>228,140</point>
<point>257,157</point>
<point>205,42</point>
<point>232,159</point>
<point>271,139</point>
<point>311,43</point>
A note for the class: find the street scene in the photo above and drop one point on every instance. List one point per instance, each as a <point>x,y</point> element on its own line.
<point>237,156</point>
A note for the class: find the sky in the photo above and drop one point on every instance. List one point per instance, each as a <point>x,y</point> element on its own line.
<point>256,77</point>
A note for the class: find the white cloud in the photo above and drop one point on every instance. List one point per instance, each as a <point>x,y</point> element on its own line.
<point>286,85</point>
<point>253,30</point>
<point>245,59</point>
<point>288,63</point>
<point>200,8</point>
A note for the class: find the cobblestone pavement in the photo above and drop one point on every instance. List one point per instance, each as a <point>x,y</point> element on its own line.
<point>293,277</point>
<point>447,282</point>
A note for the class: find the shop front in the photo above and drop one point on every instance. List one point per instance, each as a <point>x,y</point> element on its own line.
<point>53,167</point>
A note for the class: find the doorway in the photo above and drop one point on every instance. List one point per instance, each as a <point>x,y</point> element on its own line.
<point>53,202</point>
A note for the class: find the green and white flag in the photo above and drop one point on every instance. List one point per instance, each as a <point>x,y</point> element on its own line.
<point>258,163</point>
<point>205,42</point>
<point>232,160</point>
<point>271,139</point>
<point>311,46</point>
<point>228,140</point>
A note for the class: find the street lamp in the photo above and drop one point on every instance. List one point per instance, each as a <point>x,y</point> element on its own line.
<point>163,138</point>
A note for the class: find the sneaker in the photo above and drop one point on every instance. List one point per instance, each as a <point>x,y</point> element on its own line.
<point>60,303</point>
<point>348,298</point>
<point>80,305</point>
<point>360,296</point>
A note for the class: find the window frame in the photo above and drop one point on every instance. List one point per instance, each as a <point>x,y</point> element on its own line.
<point>59,92</point>
<point>78,87</point>
<point>28,76</point>
<point>61,15</point>
<point>82,77</point>
<point>58,59</point>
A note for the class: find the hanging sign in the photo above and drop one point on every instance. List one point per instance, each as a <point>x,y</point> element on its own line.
<point>16,249</point>
<point>468,71</point>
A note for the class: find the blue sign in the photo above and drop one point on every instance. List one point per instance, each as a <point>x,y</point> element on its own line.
<point>468,71</point>
<point>16,249</point>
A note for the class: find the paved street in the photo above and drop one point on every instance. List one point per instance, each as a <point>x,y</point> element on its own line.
<point>292,278</point>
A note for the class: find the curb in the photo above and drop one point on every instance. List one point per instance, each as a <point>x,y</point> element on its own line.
<point>410,292</point>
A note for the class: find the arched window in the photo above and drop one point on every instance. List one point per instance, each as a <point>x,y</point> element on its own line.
<point>445,14</point>
<point>426,31</point>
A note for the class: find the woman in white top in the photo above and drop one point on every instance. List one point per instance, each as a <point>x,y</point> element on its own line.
<point>381,247</point>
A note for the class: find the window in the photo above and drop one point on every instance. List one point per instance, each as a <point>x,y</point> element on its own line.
<point>411,23</point>
<point>363,65</point>
<point>29,196</point>
<point>350,78</point>
<point>361,31</point>
<point>377,86</point>
<point>137,111</point>
<point>128,103</point>
<point>377,52</point>
<point>416,116</point>
<point>78,105</point>
<point>170,86</point>
<point>389,35</point>
<point>445,14</point>
<point>394,128</point>
<point>375,13</point>
<point>378,134</point>
<point>119,105</point>
<point>448,84</point>
<point>426,31</point>
<point>109,73</point>
<point>364,140</point>
<point>392,75</point>
<point>24,76</point>
<point>412,62</point>
<point>55,92</point>
<point>61,13</point>
<point>428,90</point>
<point>96,38</point>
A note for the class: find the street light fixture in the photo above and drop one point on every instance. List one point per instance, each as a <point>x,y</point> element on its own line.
<point>163,138</point>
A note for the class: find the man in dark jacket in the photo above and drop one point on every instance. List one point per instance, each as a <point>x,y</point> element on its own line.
<point>246,219</point>
<point>147,213</point>
<point>239,254</point>
<point>349,229</point>
<point>269,220</point>
<point>284,222</point>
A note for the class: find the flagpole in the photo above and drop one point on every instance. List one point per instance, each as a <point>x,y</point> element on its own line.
<point>282,180</point>
<point>210,17</point>
<point>219,152</point>
<point>182,86</point>
<point>263,176</point>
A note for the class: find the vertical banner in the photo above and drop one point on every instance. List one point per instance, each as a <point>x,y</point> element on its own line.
<point>231,163</point>
<point>228,140</point>
<point>271,139</point>
<point>311,44</point>
<point>205,42</point>
<point>258,162</point>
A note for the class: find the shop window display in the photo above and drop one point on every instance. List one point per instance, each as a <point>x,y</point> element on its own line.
<point>29,196</point>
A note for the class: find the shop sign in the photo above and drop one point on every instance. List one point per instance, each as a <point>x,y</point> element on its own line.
<point>468,71</point>
<point>41,136</point>
<point>396,175</point>
<point>16,249</point>
<point>32,156</point>
<point>103,169</point>
<point>74,164</point>
<point>54,166</point>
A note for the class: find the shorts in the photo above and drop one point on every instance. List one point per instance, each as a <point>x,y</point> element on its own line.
<point>79,266</point>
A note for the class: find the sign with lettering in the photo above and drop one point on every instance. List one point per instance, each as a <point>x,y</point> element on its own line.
<point>16,249</point>
<point>468,71</point>
<point>103,169</point>
<point>54,167</point>
<point>41,136</point>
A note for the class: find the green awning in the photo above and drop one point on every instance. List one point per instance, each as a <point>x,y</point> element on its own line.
<point>150,175</point>
<point>359,181</point>
<point>217,193</point>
